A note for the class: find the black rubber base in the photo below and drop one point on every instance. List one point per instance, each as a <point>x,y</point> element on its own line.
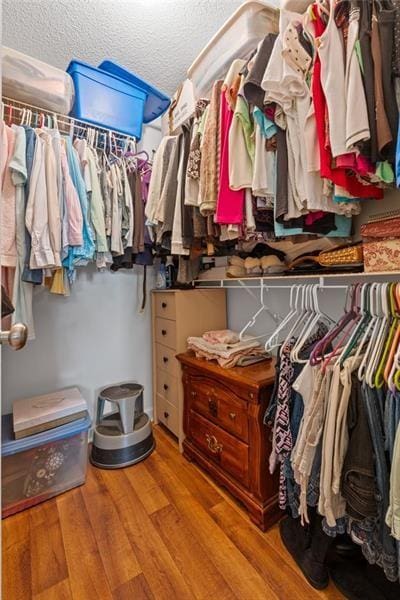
<point>123,457</point>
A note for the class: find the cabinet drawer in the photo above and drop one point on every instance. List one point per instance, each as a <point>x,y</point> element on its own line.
<point>220,446</point>
<point>166,332</point>
<point>168,414</point>
<point>220,405</point>
<point>167,386</point>
<point>165,305</point>
<point>166,361</point>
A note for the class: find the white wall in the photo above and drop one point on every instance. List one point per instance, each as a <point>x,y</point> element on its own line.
<point>91,339</point>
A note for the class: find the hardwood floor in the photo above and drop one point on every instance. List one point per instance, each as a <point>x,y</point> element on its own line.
<point>158,530</point>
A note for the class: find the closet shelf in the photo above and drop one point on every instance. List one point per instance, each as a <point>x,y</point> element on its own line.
<point>238,282</point>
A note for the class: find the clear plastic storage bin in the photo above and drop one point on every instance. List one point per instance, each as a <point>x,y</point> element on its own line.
<point>239,36</point>
<point>41,466</point>
<point>34,82</point>
<point>106,100</point>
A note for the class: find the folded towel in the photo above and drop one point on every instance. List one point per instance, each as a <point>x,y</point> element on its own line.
<point>222,336</point>
<point>223,350</point>
<point>230,361</point>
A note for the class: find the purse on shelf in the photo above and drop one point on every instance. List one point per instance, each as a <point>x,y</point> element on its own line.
<point>343,256</point>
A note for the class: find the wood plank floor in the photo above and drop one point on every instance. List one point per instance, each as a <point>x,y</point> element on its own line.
<point>158,530</point>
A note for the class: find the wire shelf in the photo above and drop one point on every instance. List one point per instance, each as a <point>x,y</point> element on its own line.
<point>14,111</point>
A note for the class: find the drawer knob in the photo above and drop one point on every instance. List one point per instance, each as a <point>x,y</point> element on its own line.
<point>164,304</point>
<point>213,445</point>
<point>163,331</point>
<point>251,395</point>
<point>232,416</point>
<point>213,407</point>
<point>166,415</point>
<point>165,386</point>
<point>194,394</point>
<point>165,359</point>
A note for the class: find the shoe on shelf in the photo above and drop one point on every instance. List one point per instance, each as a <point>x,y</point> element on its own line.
<point>271,265</point>
<point>253,266</point>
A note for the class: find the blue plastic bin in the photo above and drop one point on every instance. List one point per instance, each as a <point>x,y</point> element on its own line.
<point>41,466</point>
<point>106,100</point>
<point>156,102</point>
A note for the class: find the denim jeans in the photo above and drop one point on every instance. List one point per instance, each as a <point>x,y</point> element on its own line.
<point>392,419</point>
<point>382,548</point>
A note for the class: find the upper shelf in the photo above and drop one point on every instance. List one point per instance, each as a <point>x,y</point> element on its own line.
<point>234,282</point>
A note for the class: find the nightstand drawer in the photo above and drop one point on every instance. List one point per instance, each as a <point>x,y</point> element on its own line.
<point>165,332</point>
<point>167,386</point>
<point>226,450</point>
<point>218,404</point>
<point>166,361</point>
<point>165,305</point>
<point>168,414</point>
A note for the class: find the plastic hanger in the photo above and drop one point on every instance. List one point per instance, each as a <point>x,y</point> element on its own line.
<point>263,308</point>
<point>377,310</point>
<point>10,115</point>
<point>361,325</point>
<point>350,314</point>
<point>301,315</point>
<point>374,312</point>
<point>318,317</point>
<point>307,320</point>
<point>390,367</point>
<point>378,337</point>
<point>393,361</point>
<point>379,378</point>
<point>346,330</point>
<point>272,341</point>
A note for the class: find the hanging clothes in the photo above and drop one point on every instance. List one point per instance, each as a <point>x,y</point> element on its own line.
<point>230,202</point>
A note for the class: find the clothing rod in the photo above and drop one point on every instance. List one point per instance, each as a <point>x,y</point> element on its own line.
<point>65,119</point>
<point>242,285</point>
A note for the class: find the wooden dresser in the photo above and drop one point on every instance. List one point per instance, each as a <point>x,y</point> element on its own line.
<point>178,314</point>
<point>225,434</point>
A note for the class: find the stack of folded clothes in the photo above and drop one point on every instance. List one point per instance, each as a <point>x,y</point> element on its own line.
<point>227,349</point>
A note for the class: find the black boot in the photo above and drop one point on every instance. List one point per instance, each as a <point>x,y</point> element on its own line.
<point>309,551</point>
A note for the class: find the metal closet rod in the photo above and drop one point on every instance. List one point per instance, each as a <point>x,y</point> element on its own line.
<point>65,120</point>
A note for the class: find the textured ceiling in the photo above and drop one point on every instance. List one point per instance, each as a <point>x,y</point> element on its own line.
<point>158,39</point>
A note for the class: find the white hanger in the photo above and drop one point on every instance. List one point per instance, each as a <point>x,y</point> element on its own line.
<point>295,292</point>
<point>307,323</point>
<point>263,308</point>
<point>374,308</point>
<point>305,313</point>
<point>318,317</point>
<point>23,116</point>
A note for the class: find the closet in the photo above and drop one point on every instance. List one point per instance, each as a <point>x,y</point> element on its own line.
<point>203,283</point>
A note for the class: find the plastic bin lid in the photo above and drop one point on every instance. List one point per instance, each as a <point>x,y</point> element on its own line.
<point>157,102</point>
<point>9,445</point>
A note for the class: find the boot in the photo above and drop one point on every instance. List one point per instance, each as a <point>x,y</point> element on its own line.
<point>309,551</point>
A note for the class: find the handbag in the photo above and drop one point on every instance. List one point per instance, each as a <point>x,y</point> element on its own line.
<point>343,256</point>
